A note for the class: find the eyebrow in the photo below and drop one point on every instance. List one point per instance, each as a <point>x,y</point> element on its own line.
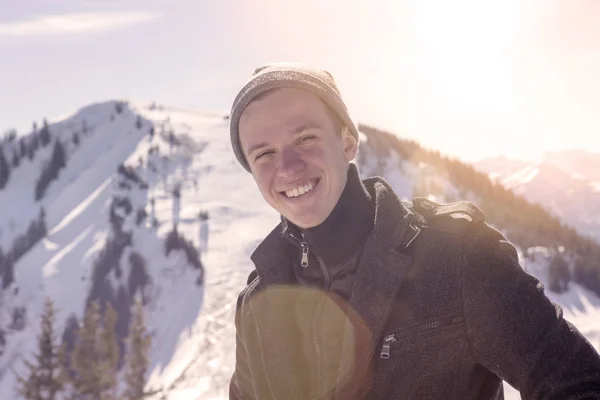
<point>302,127</point>
<point>256,147</point>
<point>299,129</point>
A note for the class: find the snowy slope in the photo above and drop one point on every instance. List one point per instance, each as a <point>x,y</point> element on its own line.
<point>565,183</point>
<point>190,323</point>
<point>193,346</point>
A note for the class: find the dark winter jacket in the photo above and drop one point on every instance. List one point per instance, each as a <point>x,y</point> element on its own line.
<point>439,308</point>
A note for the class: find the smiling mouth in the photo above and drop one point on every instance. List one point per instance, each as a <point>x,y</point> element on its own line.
<point>300,190</point>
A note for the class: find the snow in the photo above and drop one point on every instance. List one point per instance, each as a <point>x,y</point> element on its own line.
<point>564,183</point>
<point>77,205</point>
<point>521,177</point>
<point>192,353</point>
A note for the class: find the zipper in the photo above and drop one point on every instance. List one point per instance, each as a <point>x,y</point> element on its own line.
<point>406,332</point>
<point>304,244</point>
<point>304,260</point>
<point>305,248</point>
<point>385,351</point>
<point>325,273</point>
<point>304,263</point>
<point>316,331</point>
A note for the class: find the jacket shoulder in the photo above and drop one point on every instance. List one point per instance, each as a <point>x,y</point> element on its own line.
<point>252,276</point>
<point>438,213</point>
<point>243,308</point>
<point>251,282</point>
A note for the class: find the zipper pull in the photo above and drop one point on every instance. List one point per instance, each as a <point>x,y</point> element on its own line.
<point>304,245</point>
<point>304,261</point>
<point>385,351</point>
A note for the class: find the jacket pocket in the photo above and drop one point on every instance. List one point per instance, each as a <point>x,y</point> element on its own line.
<point>414,330</point>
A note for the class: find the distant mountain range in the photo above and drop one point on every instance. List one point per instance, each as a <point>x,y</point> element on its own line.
<point>566,183</point>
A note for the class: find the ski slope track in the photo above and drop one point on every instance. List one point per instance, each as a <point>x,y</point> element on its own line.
<point>191,321</point>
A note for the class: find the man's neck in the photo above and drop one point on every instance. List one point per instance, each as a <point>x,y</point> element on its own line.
<point>346,227</point>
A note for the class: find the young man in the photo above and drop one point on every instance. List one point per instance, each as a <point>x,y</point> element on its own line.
<point>358,294</point>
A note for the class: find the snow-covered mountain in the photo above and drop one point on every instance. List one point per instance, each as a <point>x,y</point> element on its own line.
<point>566,183</point>
<point>189,319</point>
<point>132,172</point>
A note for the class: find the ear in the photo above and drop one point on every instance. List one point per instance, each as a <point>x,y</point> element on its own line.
<point>350,144</point>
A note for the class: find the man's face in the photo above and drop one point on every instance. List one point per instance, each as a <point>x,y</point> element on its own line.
<point>297,157</point>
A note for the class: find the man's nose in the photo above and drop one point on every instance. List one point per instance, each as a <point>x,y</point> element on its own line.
<point>290,164</point>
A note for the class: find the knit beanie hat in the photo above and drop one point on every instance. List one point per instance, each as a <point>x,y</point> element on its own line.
<point>289,75</point>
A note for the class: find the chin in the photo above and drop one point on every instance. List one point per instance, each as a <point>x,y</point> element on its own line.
<point>306,223</point>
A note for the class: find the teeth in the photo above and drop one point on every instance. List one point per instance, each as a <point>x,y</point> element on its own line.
<point>300,190</point>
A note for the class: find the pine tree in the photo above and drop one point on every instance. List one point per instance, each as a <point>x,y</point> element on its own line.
<point>31,152</point>
<point>10,135</point>
<point>138,344</point>
<point>59,158</point>
<point>123,304</point>
<point>16,160</point>
<point>86,381</point>
<point>69,335</point>
<point>45,134</point>
<point>44,380</point>
<point>559,274</point>
<point>95,357</point>
<point>64,372</point>
<point>22,148</point>
<point>108,352</point>
<point>50,173</point>
<point>29,387</point>
<point>35,141</point>
<point>8,271</point>
<point>4,170</point>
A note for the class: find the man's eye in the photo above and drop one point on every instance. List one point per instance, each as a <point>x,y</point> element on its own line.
<point>305,139</point>
<point>264,153</point>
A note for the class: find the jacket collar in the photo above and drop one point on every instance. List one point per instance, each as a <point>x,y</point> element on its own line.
<point>345,229</point>
<point>382,264</point>
<point>271,258</point>
<point>394,228</point>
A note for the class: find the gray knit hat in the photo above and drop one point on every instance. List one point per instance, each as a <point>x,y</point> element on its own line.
<point>290,75</point>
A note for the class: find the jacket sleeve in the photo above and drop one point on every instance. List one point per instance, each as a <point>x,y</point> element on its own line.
<point>240,385</point>
<point>515,331</point>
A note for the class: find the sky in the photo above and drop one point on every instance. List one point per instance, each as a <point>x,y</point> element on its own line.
<point>473,79</point>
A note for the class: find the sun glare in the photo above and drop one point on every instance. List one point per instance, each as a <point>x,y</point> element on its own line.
<point>468,77</point>
<point>463,63</point>
<point>462,47</point>
<point>465,54</point>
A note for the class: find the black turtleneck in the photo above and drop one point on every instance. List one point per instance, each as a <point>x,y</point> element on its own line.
<point>336,244</point>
